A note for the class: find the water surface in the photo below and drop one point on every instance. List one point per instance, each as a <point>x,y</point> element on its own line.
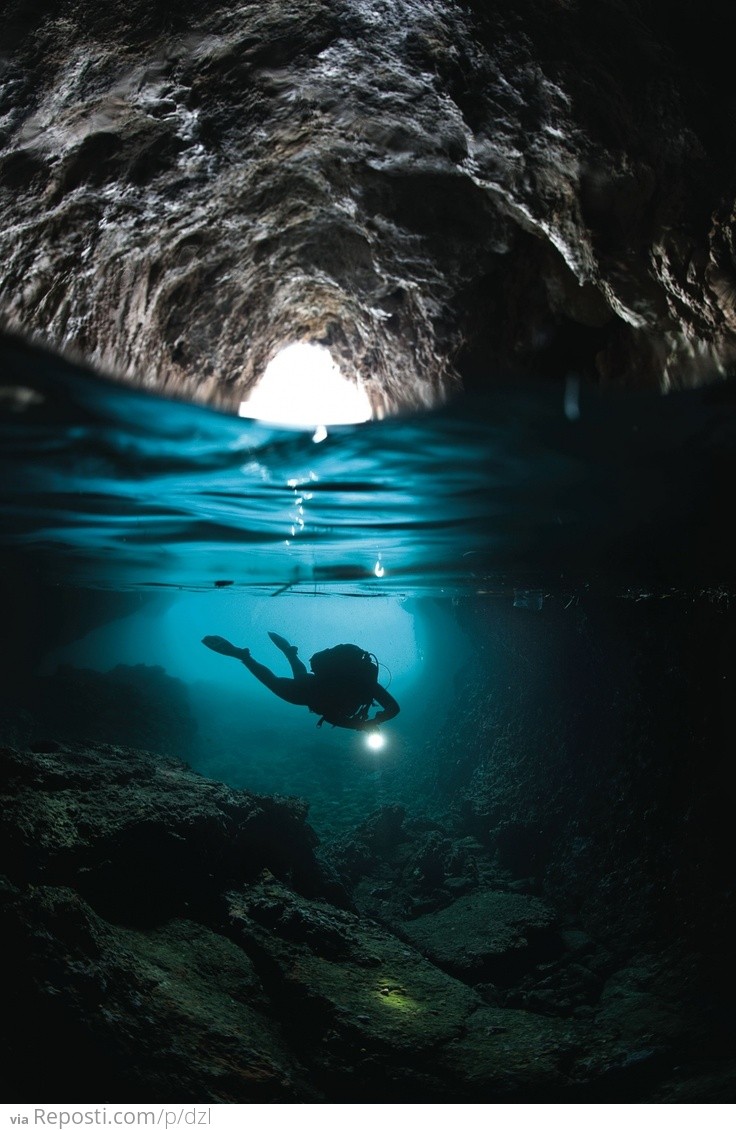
<point>533,485</point>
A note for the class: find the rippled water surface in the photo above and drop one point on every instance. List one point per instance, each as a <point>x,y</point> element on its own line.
<point>531,485</point>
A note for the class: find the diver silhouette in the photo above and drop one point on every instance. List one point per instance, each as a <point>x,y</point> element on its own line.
<point>342,687</point>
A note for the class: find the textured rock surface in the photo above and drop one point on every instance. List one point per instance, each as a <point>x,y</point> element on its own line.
<point>176,1009</point>
<point>118,864</point>
<point>435,190</point>
<point>141,834</point>
<point>167,935</point>
<point>483,935</point>
<point>346,983</point>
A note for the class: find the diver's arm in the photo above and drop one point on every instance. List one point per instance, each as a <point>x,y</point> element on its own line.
<point>353,723</point>
<point>357,723</point>
<point>388,702</point>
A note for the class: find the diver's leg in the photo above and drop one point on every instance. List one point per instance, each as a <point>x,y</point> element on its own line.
<point>224,647</point>
<point>297,667</point>
<point>288,689</point>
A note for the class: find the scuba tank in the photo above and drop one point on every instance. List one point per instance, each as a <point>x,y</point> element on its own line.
<point>350,677</point>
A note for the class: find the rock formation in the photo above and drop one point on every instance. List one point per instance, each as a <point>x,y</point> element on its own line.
<point>441,192</point>
<point>165,934</point>
<point>140,705</point>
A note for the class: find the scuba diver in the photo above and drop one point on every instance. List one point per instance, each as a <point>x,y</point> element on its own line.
<point>341,689</point>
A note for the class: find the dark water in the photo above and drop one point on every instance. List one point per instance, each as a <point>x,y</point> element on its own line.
<point>533,486</point>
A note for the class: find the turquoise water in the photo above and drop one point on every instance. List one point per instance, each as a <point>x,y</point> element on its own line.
<point>532,486</point>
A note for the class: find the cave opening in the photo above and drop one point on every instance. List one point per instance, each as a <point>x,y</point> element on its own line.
<point>303,387</point>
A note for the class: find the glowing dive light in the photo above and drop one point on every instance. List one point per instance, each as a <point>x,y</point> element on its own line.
<point>375,741</point>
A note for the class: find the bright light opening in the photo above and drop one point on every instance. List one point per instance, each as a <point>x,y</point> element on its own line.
<point>303,387</point>
<point>375,742</point>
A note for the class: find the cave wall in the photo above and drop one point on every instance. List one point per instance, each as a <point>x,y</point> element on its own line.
<point>589,749</point>
<point>440,192</point>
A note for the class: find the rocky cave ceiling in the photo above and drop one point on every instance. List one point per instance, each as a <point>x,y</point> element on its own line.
<point>444,193</point>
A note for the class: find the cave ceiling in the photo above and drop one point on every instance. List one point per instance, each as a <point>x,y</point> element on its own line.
<point>443,193</point>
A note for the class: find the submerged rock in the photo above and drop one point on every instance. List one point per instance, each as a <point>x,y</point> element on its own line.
<point>177,1009</point>
<point>142,836</point>
<point>356,999</point>
<point>169,934</point>
<point>165,934</point>
<point>489,935</point>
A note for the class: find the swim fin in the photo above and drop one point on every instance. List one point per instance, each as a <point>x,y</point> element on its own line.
<point>282,644</point>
